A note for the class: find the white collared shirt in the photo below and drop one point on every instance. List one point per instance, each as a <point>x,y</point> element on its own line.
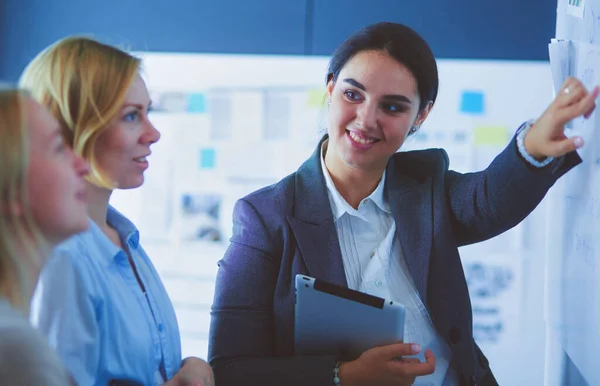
<point>374,264</point>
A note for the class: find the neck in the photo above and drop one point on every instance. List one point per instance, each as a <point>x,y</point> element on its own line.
<point>352,183</point>
<point>98,204</point>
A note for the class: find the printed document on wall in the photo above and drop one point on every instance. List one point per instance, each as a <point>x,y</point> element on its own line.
<point>573,257</point>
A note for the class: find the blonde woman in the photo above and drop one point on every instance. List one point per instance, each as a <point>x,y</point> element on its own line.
<point>42,202</point>
<point>100,302</point>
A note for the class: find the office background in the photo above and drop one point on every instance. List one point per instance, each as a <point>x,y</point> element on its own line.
<point>494,74</point>
<point>467,29</point>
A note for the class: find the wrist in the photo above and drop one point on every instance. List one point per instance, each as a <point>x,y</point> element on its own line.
<point>347,374</point>
<point>531,149</point>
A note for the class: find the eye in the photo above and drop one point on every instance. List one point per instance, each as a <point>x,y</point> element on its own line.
<point>393,107</point>
<point>353,95</point>
<point>131,116</point>
<point>60,148</point>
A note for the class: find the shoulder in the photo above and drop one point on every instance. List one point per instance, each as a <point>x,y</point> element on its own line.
<point>422,163</point>
<point>18,336</point>
<point>25,356</point>
<point>278,197</point>
<point>72,262</point>
<point>77,244</point>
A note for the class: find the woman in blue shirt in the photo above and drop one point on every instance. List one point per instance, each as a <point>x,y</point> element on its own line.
<point>100,302</point>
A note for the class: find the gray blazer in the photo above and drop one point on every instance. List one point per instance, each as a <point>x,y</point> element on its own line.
<point>287,228</point>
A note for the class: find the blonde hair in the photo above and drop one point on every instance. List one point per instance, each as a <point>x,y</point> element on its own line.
<point>83,83</point>
<point>19,251</point>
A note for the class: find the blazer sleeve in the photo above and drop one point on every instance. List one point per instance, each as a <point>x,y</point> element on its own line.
<point>242,333</point>
<point>487,203</point>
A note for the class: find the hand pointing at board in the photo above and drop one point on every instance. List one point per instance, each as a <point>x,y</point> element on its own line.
<point>546,137</point>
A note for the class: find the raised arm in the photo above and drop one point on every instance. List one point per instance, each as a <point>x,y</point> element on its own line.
<point>487,203</point>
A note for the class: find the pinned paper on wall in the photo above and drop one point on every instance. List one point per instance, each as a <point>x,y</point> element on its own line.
<point>491,135</point>
<point>576,8</point>
<point>172,102</point>
<point>207,158</point>
<point>315,97</point>
<point>472,102</point>
<point>196,103</point>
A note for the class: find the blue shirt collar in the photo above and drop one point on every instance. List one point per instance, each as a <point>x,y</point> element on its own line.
<point>127,231</point>
<point>125,228</point>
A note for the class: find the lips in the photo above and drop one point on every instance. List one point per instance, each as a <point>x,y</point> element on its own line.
<point>361,138</point>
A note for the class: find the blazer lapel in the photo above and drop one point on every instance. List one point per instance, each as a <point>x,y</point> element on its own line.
<point>312,223</point>
<point>410,200</point>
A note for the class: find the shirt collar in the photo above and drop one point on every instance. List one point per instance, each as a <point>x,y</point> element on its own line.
<point>128,233</point>
<point>339,205</point>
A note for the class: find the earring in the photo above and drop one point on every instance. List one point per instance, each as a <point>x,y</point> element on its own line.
<point>328,102</point>
<point>414,129</point>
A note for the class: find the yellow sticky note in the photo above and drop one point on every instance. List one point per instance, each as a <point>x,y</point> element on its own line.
<point>491,135</point>
<point>315,97</point>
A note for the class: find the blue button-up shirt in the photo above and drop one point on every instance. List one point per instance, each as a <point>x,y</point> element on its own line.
<point>90,306</point>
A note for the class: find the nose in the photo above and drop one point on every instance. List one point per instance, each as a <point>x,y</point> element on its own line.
<point>82,167</point>
<point>151,135</point>
<point>366,115</point>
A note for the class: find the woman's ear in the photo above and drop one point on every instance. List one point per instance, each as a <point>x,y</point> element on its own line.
<point>423,114</point>
<point>330,87</point>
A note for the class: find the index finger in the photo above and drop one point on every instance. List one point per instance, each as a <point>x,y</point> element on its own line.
<point>417,369</point>
<point>584,107</point>
<point>397,350</point>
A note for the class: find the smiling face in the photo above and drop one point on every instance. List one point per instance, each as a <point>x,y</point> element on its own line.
<point>122,148</point>
<point>374,103</point>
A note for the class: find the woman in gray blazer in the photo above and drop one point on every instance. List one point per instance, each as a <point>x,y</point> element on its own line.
<point>359,214</point>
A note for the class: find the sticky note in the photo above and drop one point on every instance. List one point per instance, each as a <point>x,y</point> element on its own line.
<point>196,103</point>
<point>207,158</point>
<point>491,135</point>
<point>472,102</point>
<point>316,97</point>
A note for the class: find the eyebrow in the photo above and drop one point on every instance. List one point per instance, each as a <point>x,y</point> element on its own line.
<point>137,105</point>
<point>394,97</point>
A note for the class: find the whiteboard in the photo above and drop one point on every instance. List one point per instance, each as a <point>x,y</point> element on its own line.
<point>236,99</point>
<point>573,242</point>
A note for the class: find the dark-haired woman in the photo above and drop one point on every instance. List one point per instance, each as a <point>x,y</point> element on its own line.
<point>359,214</point>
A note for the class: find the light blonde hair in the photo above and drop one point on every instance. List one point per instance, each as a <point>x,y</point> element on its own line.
<point>83,83</point>
<point>20,239</point>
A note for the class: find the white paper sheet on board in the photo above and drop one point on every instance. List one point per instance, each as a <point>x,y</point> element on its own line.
<point>576,8</point>
<point>573,258</point>
<point>560,61</point>
<point>587,69</point>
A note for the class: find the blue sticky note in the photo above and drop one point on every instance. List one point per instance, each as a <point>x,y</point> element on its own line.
<point>472,102</point>
<point>196,103</point>
<point>207,158</point>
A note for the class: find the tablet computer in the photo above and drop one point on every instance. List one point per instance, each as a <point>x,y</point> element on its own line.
<point>332,319</point>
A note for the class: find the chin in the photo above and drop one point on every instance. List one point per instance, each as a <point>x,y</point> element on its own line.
<point>132,183</point>
<point>83,226</point>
